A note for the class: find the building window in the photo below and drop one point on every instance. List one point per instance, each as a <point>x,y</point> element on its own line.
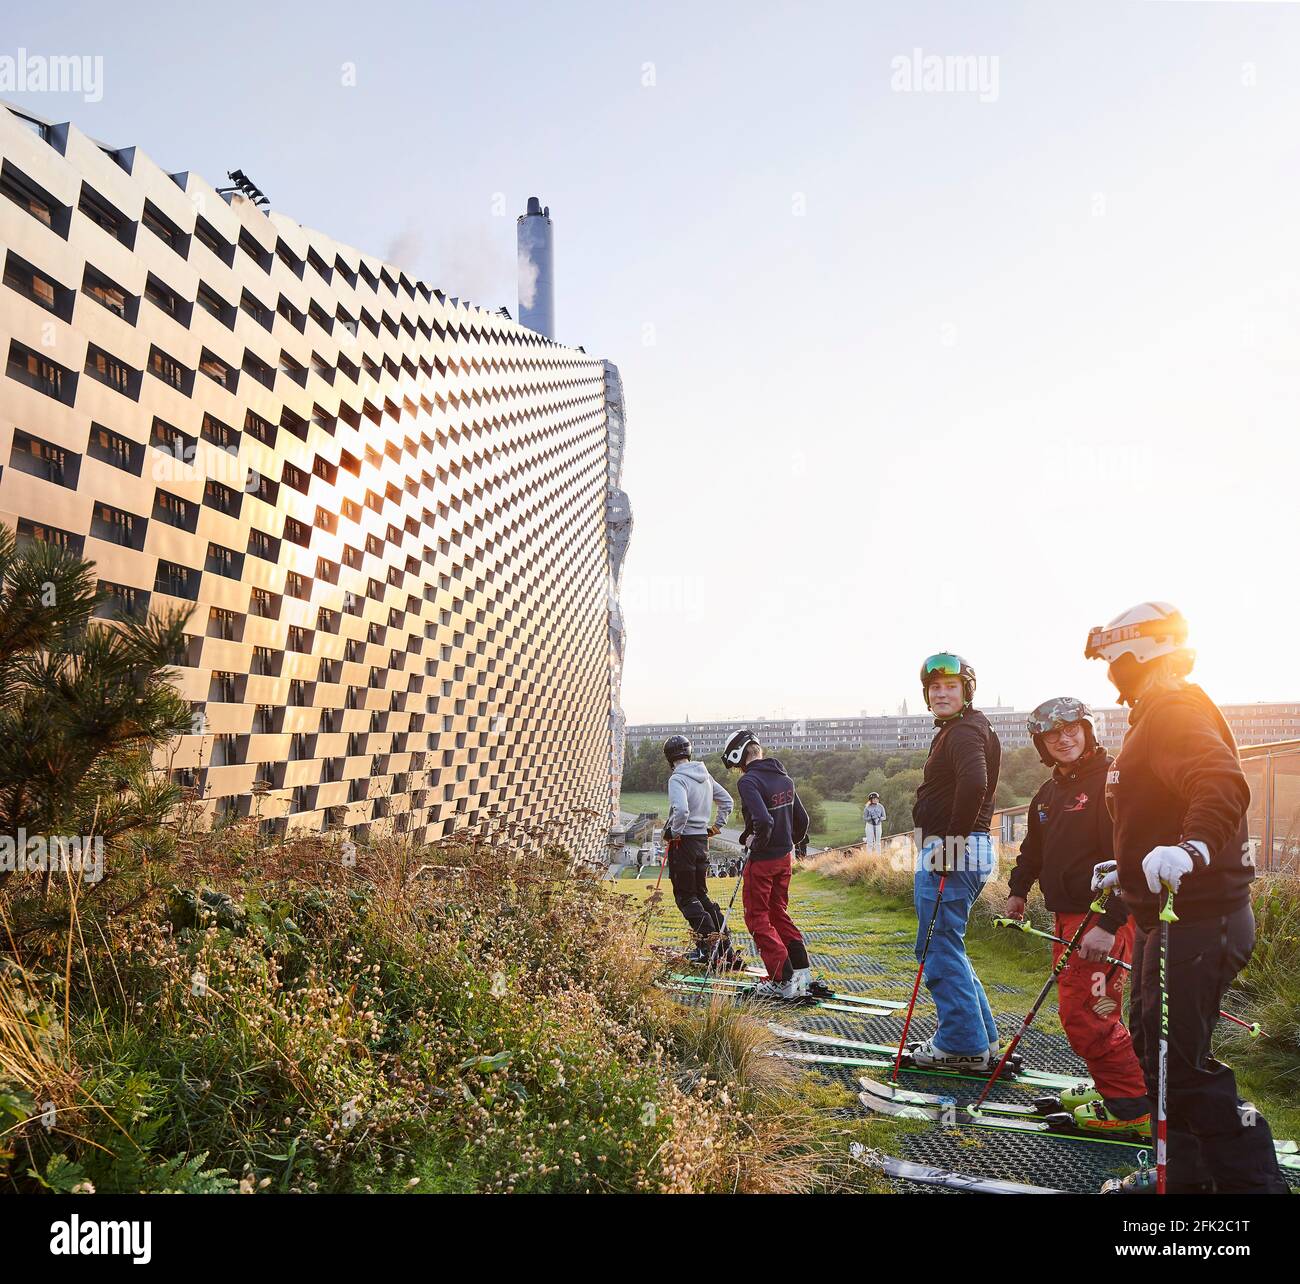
<point>112,448</point>
<point>223,498</point>
<point>220,435</point>
<point>217,370</point>
<point>208,236</point>
<point>111,371</point>
<point>40,373</point>
<point>258,369</point>
<point>254,249</point>
<point>259,429</point>
<point>43,533</point>
<point>33,199</point>
<point>164,229</point>
<point>117,527</point>
<point>171,441</point>
<point>105,215</point>
<point>108,294</point>
<point>170,371</point>
<point>256,309</point>
<point>121,600</point>
<point>163,297</point>
<point>175,511</point>
<point>42,459</point>
<point>223,624</point>
<point>262,545</point>
<point>33,284</point>
<point>176,581</point>
<point>215,306</point>
<point>223,561</point>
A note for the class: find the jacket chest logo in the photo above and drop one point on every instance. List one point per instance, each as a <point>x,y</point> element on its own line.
<point>1080,802</point>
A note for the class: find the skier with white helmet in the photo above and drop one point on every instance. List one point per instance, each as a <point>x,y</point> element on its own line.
<point>775,824</point>
<point>1178,799</point>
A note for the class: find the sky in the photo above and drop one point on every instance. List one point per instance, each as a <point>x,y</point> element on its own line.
<point>911,363</point>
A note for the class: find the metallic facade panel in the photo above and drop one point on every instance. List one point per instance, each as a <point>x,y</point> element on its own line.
<point>390,511</point>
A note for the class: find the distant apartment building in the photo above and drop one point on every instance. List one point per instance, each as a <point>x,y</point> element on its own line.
<point>395,517</point>
<point>1250,723</point>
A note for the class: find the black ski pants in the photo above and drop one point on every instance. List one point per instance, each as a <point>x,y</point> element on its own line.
<point>1213,1136</point>
<point>688,870</point>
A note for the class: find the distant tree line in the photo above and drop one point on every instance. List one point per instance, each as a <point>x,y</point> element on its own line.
<point>845,775</point>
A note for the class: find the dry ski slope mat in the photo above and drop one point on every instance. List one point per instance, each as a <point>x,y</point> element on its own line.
<point>887,972</point>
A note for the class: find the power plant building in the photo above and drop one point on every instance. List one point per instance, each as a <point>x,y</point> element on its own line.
<point>395,518</point>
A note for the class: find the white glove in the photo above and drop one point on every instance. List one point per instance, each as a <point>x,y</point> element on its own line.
<point>1105,876</point>
<point>1169,865</point>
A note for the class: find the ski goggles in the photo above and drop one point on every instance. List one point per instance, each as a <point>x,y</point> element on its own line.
<point>947,665</point>
<point>1100,638</point>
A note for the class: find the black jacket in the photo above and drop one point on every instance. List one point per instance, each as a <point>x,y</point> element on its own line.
<point>1178,777</point>
<point>955,797</point>
<point>772,810</point>
<point>1069,832</point>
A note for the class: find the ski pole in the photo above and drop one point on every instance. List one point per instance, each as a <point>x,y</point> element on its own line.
<point>920,968</point>
<point>722,931</point>
<point>1097,907</point>
<point>1167,916</point>
<point>1253,1028</point>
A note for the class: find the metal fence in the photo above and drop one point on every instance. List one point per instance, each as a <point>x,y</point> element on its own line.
<point>1273,771</point>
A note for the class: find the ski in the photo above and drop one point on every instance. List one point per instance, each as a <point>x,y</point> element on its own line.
<point>926,1175</point>
<point>866,1000</point>
<point>1026,1077</point>
<point>902,1103</point>
<point>1020,1073</point>
<point>747,994</point>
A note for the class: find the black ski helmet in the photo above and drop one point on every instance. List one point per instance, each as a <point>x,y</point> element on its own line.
<point>948,664</point>
<point>734,752</point>
<point>677,749</point>
<point>1057,712</point>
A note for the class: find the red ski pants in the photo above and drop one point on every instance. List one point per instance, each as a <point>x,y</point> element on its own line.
<point>766,895</point>
<point>1090,997</point>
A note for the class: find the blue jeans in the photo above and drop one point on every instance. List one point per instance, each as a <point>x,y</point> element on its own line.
<point>965,1020</point>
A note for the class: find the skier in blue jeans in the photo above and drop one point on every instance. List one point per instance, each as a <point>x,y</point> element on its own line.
<point>952,812</point>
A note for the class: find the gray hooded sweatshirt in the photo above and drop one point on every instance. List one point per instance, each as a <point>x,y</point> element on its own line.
<point>691,795</point>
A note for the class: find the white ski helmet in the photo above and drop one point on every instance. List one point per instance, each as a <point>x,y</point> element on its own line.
<point>1136,637</point>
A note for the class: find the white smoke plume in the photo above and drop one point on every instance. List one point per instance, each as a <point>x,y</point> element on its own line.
<point>528,273</point>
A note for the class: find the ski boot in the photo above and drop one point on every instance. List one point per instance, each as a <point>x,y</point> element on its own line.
<point>779,990</point>
<point>699,955</point>
<point>801,982</point>
<point>1094,1117</point>
<point>925,1055</point>
<point>1068,1101</point>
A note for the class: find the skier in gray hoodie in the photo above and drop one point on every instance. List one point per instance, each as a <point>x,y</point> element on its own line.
<point>691,795</point>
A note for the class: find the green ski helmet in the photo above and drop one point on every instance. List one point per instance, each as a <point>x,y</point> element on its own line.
<point>948,664</point>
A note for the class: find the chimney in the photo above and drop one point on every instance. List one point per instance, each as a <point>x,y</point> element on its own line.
<point>537,269</point>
